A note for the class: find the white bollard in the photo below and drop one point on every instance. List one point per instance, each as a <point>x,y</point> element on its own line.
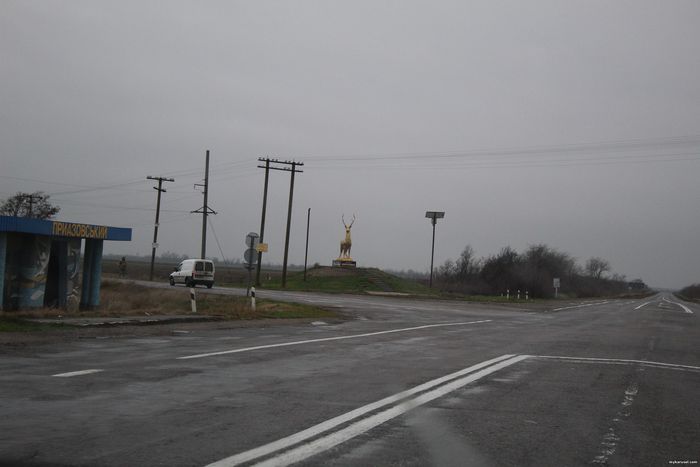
<point>507,294</point>
<point>252,298</point>
<point>527,295</point>
<point>518,294</point>
<point>193,300</point>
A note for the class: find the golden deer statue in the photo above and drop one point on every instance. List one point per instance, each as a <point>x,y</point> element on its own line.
<point>346,245</point>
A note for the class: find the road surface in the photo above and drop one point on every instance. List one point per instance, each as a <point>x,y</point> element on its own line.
<point>404,382</point>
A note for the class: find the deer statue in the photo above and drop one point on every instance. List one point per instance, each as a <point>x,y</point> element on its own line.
<point>346,245</point>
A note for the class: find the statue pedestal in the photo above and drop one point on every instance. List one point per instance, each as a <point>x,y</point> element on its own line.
<point>344,263</point>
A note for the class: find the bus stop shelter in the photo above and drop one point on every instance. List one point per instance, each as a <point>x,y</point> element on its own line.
<point>40,262</point>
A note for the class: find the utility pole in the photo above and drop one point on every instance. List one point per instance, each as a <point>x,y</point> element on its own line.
<point>204,210</point>
<point>289,223</point>
<point>31,198</point>
<point>306,253</point>
<point>262,221</point>
<point>160,190</point>
<point>294,170</point>
<point>433,216</point>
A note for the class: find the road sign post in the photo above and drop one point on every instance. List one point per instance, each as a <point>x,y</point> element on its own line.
<point>433,216</point>
<point>250,257</point>
<point>556,283</point>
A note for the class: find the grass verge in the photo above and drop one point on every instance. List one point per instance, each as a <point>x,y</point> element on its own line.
<point>126,299</point>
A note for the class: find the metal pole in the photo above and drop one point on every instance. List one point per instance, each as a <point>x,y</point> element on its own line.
<point>289,224</point>
<point>306,254</point>
<point>206,208</point>
<point>262,222</point>
<point>155,229</point>
<point>432,253</point>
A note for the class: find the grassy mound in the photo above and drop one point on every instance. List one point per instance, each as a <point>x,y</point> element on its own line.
<point>341,280</point>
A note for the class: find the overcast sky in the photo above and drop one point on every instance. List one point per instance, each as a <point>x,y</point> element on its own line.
<point>575,124</point>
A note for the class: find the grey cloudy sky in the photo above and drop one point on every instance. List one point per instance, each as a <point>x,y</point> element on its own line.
<point>574,124</point>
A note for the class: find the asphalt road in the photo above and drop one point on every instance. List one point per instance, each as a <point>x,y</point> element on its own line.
<point>404,382</point>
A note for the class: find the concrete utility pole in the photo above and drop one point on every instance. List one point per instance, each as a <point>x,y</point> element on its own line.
<point>160,190</point>
<point>204,210</point>
<point>294,170</point>
<point>433,216</point>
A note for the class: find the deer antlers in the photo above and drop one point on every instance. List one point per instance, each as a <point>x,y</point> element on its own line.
<point>353,221</point>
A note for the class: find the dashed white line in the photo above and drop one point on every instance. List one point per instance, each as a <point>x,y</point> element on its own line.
<point>326,339</point>
<point>453,382</point>
<point>77,373</point>
<point>643,304</point>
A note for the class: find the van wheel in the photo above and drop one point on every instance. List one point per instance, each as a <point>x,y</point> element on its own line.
<point>209,286</point>
<point>189,282</point>
<point>172,281</point>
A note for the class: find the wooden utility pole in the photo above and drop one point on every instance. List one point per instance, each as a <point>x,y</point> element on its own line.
<point>294,170</point>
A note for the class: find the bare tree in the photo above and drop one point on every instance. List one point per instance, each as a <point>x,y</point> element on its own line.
<point>467,264</point>
<point>596,267</point>
<point>35,205</point>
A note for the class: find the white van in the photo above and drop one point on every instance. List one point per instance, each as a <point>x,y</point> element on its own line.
<point>192,272</point>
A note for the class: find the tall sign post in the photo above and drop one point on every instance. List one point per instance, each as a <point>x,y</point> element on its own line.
<point>433,216</point>
<point>556,283</point>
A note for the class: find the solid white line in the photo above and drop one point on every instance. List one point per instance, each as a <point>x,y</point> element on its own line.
<point>316,430</point>
<point>622,361</point>
<point>327,442</point>
<point>581,306</point>
<point>76,373</point>
<point>325,339</point>
<point>643,304</point>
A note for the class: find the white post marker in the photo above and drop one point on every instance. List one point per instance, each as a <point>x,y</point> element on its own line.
<point>193,300</point>
<point>252,298</point>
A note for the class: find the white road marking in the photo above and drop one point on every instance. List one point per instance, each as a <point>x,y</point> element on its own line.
<point>76,373</point>
<point>454,381</point>
<point>611,439</point>
<point>643,304</point>
<point>325,339</point>
<point>617,361</point>
<point>581,306</point>
<point>685,308</point>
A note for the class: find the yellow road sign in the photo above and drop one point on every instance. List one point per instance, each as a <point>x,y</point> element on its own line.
<point>261,247</point>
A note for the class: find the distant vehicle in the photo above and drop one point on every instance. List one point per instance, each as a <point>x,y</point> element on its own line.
<point>192,272</point>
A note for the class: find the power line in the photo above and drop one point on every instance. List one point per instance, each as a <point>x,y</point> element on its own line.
<point>525,150</point>
<point>211,224</point>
